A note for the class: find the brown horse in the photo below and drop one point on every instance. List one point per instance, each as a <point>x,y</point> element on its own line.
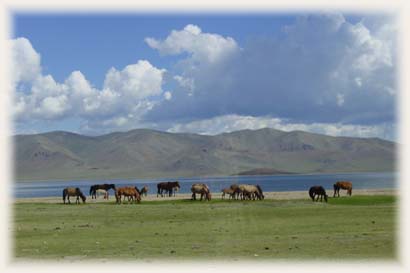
<point>67,192</point>
<point>168,187</point>
<point>345,185</point>
<point>318,191</point>
<point>228,191</point>
<point>127,192</point>
<point>201,189</point>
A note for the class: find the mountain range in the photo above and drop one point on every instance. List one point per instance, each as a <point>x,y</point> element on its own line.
<point>144,153</point>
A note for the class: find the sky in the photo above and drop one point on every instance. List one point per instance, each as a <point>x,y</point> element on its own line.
<point>324,72</point>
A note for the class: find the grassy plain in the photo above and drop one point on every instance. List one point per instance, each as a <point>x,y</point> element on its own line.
<point>355,228</point>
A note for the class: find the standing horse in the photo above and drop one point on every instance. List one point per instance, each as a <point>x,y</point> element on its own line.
<point>67,192</point>
<point>201,189</point>
<point>127,192</point>
<point>168,187</point>
<point>345,185</point>
<point>94,188</point>
<point>318,191</point>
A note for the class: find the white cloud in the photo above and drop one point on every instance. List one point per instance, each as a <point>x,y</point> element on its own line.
<point>126,96</point>
<point>140,80</point>
<point>25,61</point>
<point>203,47</point>
<point>167,95</point>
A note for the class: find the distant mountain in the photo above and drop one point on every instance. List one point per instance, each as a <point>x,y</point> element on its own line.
<point>145,153</point>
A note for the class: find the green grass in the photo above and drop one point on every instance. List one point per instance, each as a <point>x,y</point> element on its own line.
<point>359,227</point>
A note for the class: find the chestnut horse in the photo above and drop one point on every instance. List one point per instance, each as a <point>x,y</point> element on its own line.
<point>345,185</point>
<point>201,189</point>
<point>67,192</point>
<point>127,192</point>
<point>318,191</point>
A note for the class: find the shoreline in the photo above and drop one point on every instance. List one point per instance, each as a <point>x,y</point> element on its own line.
<point>282,195</point>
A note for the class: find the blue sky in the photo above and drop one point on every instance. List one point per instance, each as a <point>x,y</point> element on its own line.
<point>329,73</point>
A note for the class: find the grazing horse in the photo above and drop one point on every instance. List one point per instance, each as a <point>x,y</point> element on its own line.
<point>141,192</point>
<point>102,192</point>
<point>67,192</point>
<point>251,192</point>
<point>94,188</point>
<point>127,192</point>
<point>345,185</point>
<point>169,187</point>
<point>228,191</point>
<point>318,191</point>
<point>201,189</point>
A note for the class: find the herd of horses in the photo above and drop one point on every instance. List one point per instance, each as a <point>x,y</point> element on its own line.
<point>235,191</point>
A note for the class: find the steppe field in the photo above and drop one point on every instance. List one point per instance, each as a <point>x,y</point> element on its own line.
<point>284,226</point>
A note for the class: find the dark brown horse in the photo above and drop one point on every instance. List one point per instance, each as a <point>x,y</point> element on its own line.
<point>345,185</point>
<point>127,192</point>
<point>67,192</point>
<point>168,187</point>
<point>94,188</point>
<point>318,191</point>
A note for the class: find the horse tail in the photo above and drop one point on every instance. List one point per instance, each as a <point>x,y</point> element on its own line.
<point>91,190</point>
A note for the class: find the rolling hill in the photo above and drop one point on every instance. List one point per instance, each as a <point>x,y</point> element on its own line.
<point>143,153</point>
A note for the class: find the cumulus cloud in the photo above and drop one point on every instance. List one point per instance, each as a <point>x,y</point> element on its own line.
<point>202,46</point>
<point>321,68</point>
<point>126,95</point>
<point>25,61</point>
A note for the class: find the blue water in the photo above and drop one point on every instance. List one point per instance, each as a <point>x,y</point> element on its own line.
<point>267,183</point>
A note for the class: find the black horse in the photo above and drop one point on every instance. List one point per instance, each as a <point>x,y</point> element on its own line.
<point>318,191</point>
<point>94,188</point>
<point>168,187</point>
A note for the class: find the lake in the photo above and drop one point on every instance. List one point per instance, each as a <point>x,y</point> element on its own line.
<point>387,180</point>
